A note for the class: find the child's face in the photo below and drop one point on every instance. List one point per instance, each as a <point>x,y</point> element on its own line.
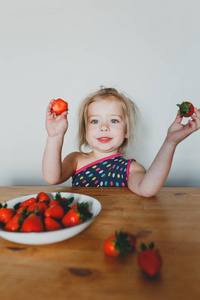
<point>106,125</point>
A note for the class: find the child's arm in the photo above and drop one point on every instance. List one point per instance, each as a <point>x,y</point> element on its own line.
<point>54,171</point>
<point>148,183</point>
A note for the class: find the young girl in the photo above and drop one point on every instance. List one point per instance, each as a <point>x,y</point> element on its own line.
<point>106,121</point>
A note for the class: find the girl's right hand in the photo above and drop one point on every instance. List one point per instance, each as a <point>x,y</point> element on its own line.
<point>56,125</point>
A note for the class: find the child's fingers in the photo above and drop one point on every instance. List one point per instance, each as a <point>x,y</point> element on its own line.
<point>196,119</point>
<point>197,111</point>
<point>195,122</point>
<point>64,115</point>
<point>178,118</point>
<point>49,111</point>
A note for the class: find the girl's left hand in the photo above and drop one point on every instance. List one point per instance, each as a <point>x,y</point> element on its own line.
<point>178,132</point>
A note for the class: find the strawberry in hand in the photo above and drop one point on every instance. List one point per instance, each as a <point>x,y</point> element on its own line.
<point>56,125</point>
<point>59,106</point>
<point>149,260</point>
<point>177,132</point>
<point>186,109</point>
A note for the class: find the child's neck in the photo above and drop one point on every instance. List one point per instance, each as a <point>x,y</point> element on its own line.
<point>96,155</point>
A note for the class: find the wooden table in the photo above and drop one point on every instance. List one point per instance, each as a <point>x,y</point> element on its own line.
<point>77,268</point>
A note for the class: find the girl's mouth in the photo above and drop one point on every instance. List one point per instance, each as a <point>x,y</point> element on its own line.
<point>104,139</point>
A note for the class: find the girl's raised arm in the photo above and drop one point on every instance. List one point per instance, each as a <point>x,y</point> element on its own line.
<point>52,162</point>
<point>148,183</point>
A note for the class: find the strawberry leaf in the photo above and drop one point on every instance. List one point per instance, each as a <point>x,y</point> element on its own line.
<point>58,196</point>
<point>83,210</point>
<point>143,247</point>
<point>68,201</point>
<point>122,242</point>
<point>151,245</point>
<point>3,205</point>
<point>17,206</point>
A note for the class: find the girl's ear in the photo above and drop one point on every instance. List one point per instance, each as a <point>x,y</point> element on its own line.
<point>126,135</point>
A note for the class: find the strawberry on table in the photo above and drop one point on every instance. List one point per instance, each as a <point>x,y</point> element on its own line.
<point>6,214</point>
<point>64,202</point>
<point>132,239</point>
<point>21,210</point>
<point>14,223</point>
<point>27,202</point>
<point>119,243</point>
<point>39,208</point>
<point>32,223</point>
<point>149,260</point>
<point>78,214</point>
<point>54,211</point>
<point>111,246</point>
<point>186,109</point>
<point>59,106</point>
<point>51,224</point>
<point>54,202</point>
<point>42,197</point>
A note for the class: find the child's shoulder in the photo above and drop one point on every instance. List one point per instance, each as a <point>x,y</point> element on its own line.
<point>79,159</point>
<point>136,167</point>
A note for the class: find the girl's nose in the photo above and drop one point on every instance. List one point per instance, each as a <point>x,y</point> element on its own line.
<point>104,127</point>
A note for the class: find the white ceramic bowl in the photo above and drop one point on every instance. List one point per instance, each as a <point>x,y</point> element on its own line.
<point>48,237</point>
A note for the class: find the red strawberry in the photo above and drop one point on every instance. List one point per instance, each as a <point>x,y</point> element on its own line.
<point>54,211</point>
<point>28,202</point>
<point>64,202</point>
<point>59,106</point>
<point>111,246</point>
<point>119,244</point>
<point>51,224</point>
<point>78,214</point>
<point>71,218</point>
<point>39,208</point>
<point>149,260</point>
<point>186,109</point>
<point>54,202</point>
<point>132,239</point>
<point>21,210</point>
<point>14,223</point>
<point>32,223</point>
<point>42,197</point>
<point>6,214</point>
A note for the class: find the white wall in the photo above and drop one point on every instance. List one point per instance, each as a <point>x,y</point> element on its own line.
<point>61,48</point>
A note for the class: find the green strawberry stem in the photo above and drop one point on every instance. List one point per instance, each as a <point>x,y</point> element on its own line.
<point>122,242</point>
<point>184,108</point>
<point>83,210</point>
<point>65,201</point>
<point>144,247</point>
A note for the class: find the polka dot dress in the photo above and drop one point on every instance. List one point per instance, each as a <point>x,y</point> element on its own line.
<point>110,171</point>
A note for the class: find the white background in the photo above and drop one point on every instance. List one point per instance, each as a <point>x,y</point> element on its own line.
<point>60,48</point>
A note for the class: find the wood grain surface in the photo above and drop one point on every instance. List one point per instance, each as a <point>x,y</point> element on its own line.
<point>77,268</point>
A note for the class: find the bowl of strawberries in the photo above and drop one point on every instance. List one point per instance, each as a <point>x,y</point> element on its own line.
<point>46,218</point>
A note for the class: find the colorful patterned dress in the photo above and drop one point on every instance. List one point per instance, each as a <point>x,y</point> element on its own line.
<point>109,171</point>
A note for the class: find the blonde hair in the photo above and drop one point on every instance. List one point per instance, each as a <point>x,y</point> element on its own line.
<point>129,109</point>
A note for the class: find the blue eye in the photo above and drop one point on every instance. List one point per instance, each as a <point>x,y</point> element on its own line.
<point>94,121</point>
<point>114,121</point>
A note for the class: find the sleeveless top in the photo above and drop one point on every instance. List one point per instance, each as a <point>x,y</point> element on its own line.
<point>109,171</point>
